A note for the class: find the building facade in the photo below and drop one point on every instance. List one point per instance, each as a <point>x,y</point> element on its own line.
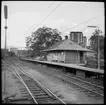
<point>75,57</point>
<point>78,38</point>
<point>84,41</point>
<point>58,56</point>
<point>67,51</point>
<point>15,50</point>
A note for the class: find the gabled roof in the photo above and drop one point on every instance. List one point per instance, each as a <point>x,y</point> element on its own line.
<point>67,45</point>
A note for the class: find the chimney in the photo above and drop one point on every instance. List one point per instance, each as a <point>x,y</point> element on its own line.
<point>66,37</point>
<point>60,38</point>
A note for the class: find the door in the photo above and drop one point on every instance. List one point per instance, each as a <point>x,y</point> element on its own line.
<point>81,57</point>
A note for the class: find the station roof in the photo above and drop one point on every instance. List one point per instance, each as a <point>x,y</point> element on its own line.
<point>67,45</point>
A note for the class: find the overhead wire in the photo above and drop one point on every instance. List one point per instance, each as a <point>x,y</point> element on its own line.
<point>43,13</point>
<point>48,15</point>
<point>70,28</point>
<point>47,8</point>
<point>84,22</point>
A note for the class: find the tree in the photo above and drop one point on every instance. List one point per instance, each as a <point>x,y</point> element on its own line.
<point>94,41</point>
<point>42,39</point>
<point>28,41</point>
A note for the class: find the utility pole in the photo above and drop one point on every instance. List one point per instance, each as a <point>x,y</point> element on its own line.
<point>98,54</point>
<point>98,46</point>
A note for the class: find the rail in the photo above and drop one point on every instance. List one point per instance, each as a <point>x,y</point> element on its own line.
<point>39,84</point>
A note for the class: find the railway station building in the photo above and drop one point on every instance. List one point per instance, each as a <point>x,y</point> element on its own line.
<point>70,50</point>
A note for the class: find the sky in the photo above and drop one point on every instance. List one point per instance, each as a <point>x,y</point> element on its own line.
<point>24,16</point>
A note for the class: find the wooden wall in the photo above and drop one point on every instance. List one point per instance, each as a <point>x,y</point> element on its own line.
<point>71,57</point>
<point>56,56</point>
<point>64,56</point>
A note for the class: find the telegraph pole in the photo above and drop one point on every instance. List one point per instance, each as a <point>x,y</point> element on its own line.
<point>98,47</point>
<point>98,54</point>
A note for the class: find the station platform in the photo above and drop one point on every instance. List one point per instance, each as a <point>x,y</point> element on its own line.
<point>75,66</point>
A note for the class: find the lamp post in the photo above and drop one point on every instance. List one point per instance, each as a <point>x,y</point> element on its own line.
<point>98,46</point>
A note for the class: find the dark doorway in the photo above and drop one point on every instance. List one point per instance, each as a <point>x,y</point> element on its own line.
<point>81,57</point>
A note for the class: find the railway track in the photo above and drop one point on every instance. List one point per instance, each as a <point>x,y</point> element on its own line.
<point>93,81</point>
<point>89,81</point>
<point>36,92</point>
<point>90,89</point>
